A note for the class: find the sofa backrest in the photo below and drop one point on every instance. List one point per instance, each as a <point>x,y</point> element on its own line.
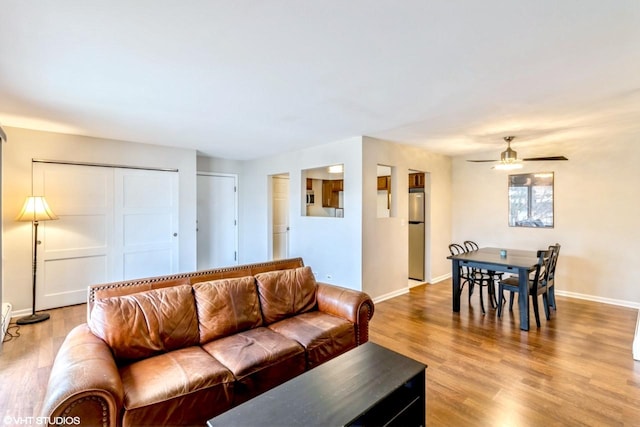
<point>128,287</point>
<point>141,325</point>
<point>138,322</point>
<point>285,293</point>
<point>226,306</point>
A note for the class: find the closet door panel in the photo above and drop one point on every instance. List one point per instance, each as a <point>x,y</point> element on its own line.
<point>75,250</point>
<point>146,213</point>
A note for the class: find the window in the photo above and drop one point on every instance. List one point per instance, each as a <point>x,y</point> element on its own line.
<point>531,200</point>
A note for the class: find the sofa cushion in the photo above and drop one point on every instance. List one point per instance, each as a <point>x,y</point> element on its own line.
<point>323,336</point>
<point>147,323</point>
<point>226,306</point>
<point>182,387</point>
<point>286,293</point>
<point>259,358</point>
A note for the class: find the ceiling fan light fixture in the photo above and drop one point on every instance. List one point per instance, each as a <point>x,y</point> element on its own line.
<point>508,166</point>
<point>509,158</point>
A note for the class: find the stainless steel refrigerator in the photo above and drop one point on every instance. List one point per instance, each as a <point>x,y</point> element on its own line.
<point>416,234</point>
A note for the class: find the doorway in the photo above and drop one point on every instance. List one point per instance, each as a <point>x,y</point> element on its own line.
<point>418,220</point>
<point>280,216</point>
<point>217,217</point>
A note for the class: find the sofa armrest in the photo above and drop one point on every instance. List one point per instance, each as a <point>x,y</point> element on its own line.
<point>351,305</point>
<point>84,382</point>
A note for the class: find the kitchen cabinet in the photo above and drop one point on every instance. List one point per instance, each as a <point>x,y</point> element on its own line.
<point>331,192</point>
<point>309,184</point>
<point>384,183</point>
<point>416,180</point>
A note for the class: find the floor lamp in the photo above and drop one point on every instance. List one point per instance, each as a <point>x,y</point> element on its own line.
<point>35,209</point>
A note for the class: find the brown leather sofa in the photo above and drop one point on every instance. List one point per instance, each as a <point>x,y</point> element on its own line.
<point>178,350</point>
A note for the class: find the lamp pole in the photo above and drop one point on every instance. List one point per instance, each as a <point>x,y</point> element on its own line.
<point>35,209</point>
<point>34,318</point>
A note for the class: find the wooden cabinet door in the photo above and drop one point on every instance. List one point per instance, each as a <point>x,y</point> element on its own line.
<point>384,182</point>
<point>327,191</point>
<point>330,193</point>
<point>416,180</point>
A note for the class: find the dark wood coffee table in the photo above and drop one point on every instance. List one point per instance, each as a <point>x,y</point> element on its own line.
<point>369,385</point>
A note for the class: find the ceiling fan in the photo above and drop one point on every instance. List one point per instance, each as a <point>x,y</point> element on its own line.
<point>509,157</point>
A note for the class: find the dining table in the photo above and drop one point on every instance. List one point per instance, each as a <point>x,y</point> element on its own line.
<point>515,261</point>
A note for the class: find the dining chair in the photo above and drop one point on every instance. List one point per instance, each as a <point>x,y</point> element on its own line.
<point>487,276</point>
<point>472,276</point>
<point>463,272</point>
<point>537,286</point>
<point>551,289</point>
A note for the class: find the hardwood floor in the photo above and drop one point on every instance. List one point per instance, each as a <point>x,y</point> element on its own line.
<point>577,369</point>
<point>26,360</point>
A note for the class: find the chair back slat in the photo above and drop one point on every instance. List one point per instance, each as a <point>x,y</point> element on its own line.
<point>554,261</point>
<point>470,245</point>
<point>541,272</point>
<point>456,249</point>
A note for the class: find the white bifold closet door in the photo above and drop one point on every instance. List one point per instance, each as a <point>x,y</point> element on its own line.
<point>115,224</point>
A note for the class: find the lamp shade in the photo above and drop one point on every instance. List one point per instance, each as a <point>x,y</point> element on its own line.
<point>36,208</point>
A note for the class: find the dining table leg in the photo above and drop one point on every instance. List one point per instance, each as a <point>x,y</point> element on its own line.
<point>523,298</point>
<point>455,280</point>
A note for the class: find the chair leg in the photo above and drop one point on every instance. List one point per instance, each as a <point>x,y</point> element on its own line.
<point>502,300</point>
<point>552,297</point>
<point>481,299</point>
<point>462,285</point>
<point>492,294</point>
<point>545,300</point>
<point>510,300</point>
<point>535,309</point>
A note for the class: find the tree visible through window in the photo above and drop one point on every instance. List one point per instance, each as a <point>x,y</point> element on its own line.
<point>531,200</point>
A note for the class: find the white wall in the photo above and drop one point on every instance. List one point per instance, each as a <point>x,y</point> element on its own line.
<point>331,246</point>
<point>26,145</point>
<point>214,164</point>
<point>596,215</point>
<point>385,240</point>
<point>359,251</point>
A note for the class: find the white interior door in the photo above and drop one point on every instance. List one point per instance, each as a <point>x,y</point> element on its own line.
<point>76,249</point>
<point>146,221</point>
<point>217,221</point>
<point>280,216</point>
<point>115,224</point>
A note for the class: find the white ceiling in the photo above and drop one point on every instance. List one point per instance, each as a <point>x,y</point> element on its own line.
<point>245,79</point>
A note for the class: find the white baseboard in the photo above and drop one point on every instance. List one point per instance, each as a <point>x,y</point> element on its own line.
<point>6,317</point>
<point>440,278</point>
<point>390,295</point>
<point>611,301</point>
<point>636,341</point>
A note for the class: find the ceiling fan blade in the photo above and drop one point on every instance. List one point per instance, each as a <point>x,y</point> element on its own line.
<point>482,161</point>
<point>530,159</point>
